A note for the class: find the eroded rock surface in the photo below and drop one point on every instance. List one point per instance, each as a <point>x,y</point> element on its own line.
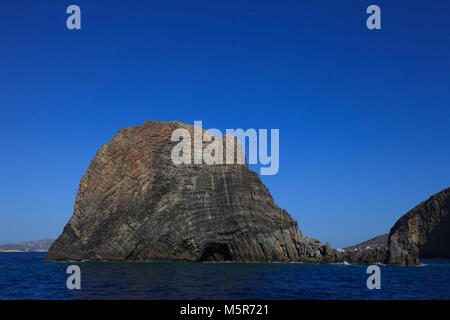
<point>133,203</point>
<point>423,232</point>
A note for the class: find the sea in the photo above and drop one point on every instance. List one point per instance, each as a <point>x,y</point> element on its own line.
<point>28,276</point>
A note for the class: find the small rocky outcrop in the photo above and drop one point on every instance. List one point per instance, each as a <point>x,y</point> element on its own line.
<point>377,242</point>
<point>367,252</point>
<point>364,256</point>
<point>423,232</point>
<point>134,204</point>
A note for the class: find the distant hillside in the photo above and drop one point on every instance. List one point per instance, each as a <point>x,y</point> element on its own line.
<point>377,242</point>
<point>29,246</point>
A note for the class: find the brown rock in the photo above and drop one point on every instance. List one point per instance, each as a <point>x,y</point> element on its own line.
<point>133,203</point>
<point>423,232</point>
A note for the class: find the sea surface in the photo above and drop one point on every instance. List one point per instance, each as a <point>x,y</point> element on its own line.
<point>27,276</point>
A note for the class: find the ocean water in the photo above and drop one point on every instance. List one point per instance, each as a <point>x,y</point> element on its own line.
<point>27,276</point>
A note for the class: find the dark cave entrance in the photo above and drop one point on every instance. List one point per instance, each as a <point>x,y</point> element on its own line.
<point>216,252</point>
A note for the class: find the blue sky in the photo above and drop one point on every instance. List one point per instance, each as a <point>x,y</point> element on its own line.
<point>363,115</point>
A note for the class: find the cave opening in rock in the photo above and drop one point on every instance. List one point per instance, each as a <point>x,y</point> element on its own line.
<point>216,252</point>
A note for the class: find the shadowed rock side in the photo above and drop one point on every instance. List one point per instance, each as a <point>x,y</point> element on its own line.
<point>423,232</point>
<point>134,204</point>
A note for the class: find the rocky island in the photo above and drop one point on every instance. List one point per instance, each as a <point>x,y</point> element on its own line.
<point>134,204</point>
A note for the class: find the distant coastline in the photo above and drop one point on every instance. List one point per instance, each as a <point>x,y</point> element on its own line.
<point>16,250</point>
<point>28,246</point>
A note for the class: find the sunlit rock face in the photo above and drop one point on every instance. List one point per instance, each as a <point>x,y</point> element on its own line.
<point>134,203</point>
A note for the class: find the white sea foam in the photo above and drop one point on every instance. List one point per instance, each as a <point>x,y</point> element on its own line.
<point>345,263</point>
<point>215,262</point>
<point>422,265</point>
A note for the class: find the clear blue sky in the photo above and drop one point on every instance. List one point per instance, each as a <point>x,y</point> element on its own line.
<point>363,115</point>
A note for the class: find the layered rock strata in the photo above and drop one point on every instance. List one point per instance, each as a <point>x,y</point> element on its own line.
<point>134,203</point>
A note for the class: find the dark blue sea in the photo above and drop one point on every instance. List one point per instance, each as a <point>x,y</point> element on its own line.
<point>27,276</point>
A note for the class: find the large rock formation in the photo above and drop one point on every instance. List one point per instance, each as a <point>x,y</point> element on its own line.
<point>423,232</point>
<point>133,203</point>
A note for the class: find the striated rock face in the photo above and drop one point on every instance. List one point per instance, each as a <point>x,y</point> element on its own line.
<point>133,203</point>
<point>423,232</point>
